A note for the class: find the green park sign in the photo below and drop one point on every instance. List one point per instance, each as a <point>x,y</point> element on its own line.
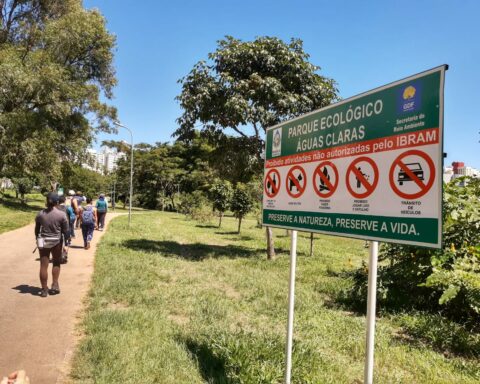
<point>368,167</point>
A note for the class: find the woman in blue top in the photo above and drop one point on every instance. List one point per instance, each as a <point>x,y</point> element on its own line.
<point>102,208</point>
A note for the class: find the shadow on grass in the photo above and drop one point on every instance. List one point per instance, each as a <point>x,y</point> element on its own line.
<point>212,368</point>
<point>238,238</point>
<point>206,226</point>
<point>420,325</point>
<point>18,206</point>
<point>227,233</point>
<point>193,252</point>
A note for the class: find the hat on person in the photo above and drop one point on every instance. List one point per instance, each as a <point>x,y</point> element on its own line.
<point>52,198</point>
<point>71,192</point>
<point>102,195</point>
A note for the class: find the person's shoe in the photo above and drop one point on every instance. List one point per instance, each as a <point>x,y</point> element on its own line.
<point>55,290</point>
<point>44,292</point>
<point>87,246</point>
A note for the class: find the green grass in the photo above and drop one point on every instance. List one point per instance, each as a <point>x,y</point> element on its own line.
<point>174,301</point>
<point>14,214</point>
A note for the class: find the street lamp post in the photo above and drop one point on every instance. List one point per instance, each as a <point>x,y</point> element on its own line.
<point>131,171</point>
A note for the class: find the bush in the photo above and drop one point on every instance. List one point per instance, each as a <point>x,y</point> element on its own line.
<point>241,203</point>
<point>446,280</point>
<point>23,185</point>
<point>442,333</point>
<point>196,206</point>
<point>221,195</point>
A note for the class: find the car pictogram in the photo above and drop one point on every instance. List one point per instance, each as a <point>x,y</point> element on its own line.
<point>415,168</point>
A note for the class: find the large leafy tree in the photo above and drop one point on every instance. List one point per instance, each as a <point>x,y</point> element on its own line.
<point>246,87</point>
<point>55,65</point>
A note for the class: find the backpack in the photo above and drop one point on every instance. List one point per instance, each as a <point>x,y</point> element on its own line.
<point>87,216</point>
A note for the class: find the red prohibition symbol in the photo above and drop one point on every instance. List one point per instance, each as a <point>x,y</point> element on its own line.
<point>412,172</point>
<point>272,183</point>
<point>325,188</point>
<point>296,184</point>
<point>362,179</point>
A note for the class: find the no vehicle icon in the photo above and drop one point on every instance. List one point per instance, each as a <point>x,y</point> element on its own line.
<point>412,174</point>
<point>325,179</point>
<point>296,181</point>
<point>272,183</point>
<point>362,177</point>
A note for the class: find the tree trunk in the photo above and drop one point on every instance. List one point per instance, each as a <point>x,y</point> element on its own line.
<point>270,244</point>
<point>311,244</point>
<point>239,223</point>
<point>220,222</point>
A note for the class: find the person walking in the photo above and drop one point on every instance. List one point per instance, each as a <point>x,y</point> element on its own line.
<point>89,218</point>
<point>77,201</point>
<point>72,216</point>
<point>50,225</point>
<point>102,208</point>
<point>65,243</point>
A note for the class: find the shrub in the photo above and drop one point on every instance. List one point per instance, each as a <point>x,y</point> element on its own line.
<point>446,280</point>
<point>221,195</point>
<point>242,202</point>
<point>196,206</point>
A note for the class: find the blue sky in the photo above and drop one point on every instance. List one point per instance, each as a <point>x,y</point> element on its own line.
<point>361,44</point>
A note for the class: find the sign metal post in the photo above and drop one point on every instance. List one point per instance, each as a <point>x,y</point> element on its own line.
<point>371,307</point>
<point>291,303</point>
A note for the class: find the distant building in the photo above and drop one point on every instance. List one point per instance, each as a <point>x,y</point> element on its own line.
<point>103,161</point>
<point>458,169</point>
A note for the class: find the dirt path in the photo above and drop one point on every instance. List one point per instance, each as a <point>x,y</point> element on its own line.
<point>37,334</point>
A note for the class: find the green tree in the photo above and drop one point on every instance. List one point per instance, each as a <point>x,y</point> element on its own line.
<point>235,158</point>
<point>23,185</point>
<point>89,182</point>
<point>55,70</point>
<point>221,196</point>
<point>246,87</point>
<point>242,202</point>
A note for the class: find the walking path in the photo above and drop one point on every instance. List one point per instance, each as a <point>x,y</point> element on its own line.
<point>37,334</point>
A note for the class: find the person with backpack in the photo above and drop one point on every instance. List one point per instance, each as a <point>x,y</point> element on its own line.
<point>50,225</point>
<point>102,208</point>
<point>89,218</point>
